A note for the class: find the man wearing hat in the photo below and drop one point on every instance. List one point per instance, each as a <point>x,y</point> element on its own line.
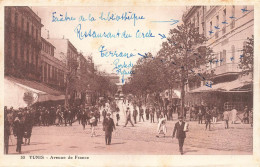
<point>108,126</point>
<point>180,133</point>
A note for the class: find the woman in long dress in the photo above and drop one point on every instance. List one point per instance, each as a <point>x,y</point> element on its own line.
<point>161,126</point>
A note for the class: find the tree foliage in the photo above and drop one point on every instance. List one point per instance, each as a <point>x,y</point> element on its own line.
<point>177,62</point>
<point>247,60</point>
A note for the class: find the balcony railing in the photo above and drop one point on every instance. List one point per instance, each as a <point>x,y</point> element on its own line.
<point>227,68</point>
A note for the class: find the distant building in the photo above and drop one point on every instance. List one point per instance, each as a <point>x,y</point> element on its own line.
<point>227,29</point>
<point>53,70</point>
<point>66,51</point>
<point>22,43</point>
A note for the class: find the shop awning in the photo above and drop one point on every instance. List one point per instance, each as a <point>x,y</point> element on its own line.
<point>239,85</point>
<point>15,90</point>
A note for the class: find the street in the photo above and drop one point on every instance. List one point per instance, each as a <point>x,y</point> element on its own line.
<point>140,139</point>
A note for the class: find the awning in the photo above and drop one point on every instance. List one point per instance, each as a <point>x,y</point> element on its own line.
<point>233,86</point>
<point>16,89</point>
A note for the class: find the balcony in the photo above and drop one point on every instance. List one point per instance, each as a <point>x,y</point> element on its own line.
<point>227,68</point>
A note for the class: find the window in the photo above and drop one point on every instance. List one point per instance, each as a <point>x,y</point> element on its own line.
<point>22,51</point>
<point>15,50</point>
<point>224,21</point>
<point>221,58</point>
<point>32,31</point>
<point>22,24</point>
<point>16,19</point>
<point>32,60</point>
<point>233,19</point>
<point>233,54</point>
<point>224,56</point>
<point>217,25</point>
<point>27,28</point>
<point>210,26</point>
<point>37,35</point>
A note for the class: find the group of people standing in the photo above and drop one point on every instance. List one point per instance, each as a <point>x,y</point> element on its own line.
<point>19,123</point>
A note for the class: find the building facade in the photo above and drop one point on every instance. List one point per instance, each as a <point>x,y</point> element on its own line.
<point>227,29</point>
<point>53,70</point>
<point>22,43</point>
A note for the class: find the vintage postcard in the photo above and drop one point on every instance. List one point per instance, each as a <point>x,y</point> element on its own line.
<point>130,83</point>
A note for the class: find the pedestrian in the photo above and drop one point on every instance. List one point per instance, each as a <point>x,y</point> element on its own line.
<point>207,118</point>
<point>147,113</point>
<point>7,133</point>
<point>70,117</point>
<point>246,115</point>
<point>199,115</point>
<point>161,126</point>
<point>165,113</point>
<point>128,117</point>
<point>79,115</point>
<point>93,123</point>
<point>141,114</point>
<point>19,132</point>
<point>251,117</point>
<point>214,115</point>
<point>152,110</point>
<point>234,115</point>
<point>135,114</point>
<point>83,118</point>
<point>180,133</point>
<point>28,125</point>
<point>157,114</point>
<point>226,118</point>
<point>117,118</point>
<point>108,126</point>
<point>104,113</point>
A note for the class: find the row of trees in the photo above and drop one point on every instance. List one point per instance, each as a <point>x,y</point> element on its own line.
<point>182,60</point>
<point>92,82</point>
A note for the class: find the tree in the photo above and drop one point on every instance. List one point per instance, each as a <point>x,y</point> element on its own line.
<point>185,50</point>
<point>71,80</point>
<point>247,59</point>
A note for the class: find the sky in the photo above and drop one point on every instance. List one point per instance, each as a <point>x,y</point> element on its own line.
<point>155,22</point>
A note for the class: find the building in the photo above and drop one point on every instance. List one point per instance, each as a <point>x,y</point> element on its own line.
<point>22,43</point>
<point>23,61</point>
<point>65,51</point>
<point>227,29</point>
<point>53,70</point>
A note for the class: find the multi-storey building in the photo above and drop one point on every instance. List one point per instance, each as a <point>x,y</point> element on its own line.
<point>22,43</point>
<point>65,51</point>
<point>53,70</point>
<point>227,29</point>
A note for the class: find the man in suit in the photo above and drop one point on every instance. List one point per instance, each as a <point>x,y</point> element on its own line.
<point>108,126</point>
<point>19,132</point>
<point>180,133</point>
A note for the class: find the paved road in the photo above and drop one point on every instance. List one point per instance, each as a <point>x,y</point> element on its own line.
<point>139,139</point>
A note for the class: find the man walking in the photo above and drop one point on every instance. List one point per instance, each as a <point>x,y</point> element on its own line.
<point>108,126</point>
<point>180,133</point>
<point>19,132</point>
<point>141,114</point>
<point>135,114</point>
<point>226,118</point>
<point>128,117</point>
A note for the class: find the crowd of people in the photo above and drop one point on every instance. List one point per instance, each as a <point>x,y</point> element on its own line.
<point>20,122</point>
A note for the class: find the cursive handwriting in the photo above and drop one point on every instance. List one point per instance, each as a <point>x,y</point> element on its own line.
<point>61,17</point>
<point>105,53</point>
<point>123,17</point>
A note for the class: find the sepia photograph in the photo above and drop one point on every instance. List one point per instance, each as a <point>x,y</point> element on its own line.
<point>137,80</point>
